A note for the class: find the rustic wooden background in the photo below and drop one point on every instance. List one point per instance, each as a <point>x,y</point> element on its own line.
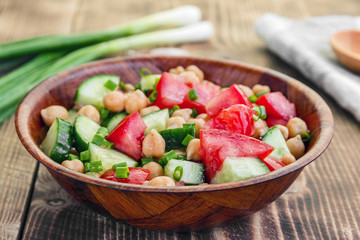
<point>324,203</point>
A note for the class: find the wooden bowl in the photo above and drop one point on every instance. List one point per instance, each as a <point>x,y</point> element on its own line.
<point>346,45</point>
<point>174,208</point>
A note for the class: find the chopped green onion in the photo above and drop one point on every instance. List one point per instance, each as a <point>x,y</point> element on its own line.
<point>305,136</point>
<point>153,96</point>
<point>178,173</point>
<point>107,144</point>
<point>262,93</point>
<point>146,92</point>
<point>87,166</point>
<point>193,95</point>
<point>187,140</point>
<point>144,72</point>
<point>170,155</point>
<point>181,157</point>
<point>189,125</point>
<point>137,86</point>
<point>104,113</point>
<point>176,107</point>
<point>85,155</point>
<point>72,156</point>
<point>122,164</point>
<point>110,85</point>
<point>102,131</point>
<point>156,82</point>
<point>122,172</point>
<point>96,166</point>
<point>146,160</point>
<point>194,113</point>
<point>253,98</point>
<point>122,85</point>
<point>163,162</point>
<point>98,139</point>
<point>261,113</point>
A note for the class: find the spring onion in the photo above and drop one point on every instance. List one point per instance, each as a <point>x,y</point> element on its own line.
<point>171,18</point>
<point>96,166</point>
<point>305,136</point>
<point>122,164</point>
<point>146,160</point>
<point>122,172</point>
<point>261,113</point>
<point>176,107</point>
<point>122,85</point>
<point>85,155</point>
<point>260,94</point>
<point>178,173</point>
<point>194,113</point>
<point>72,156</point>
<point>110,85</point>
<point>253,98</point>
<point>107,144</point>
<point>104,113</point>
<point>153,96</point>
<point>193,95</point>
<point>187,140</point>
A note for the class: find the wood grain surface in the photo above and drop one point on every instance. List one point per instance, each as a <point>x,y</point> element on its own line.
<point>324,203</point>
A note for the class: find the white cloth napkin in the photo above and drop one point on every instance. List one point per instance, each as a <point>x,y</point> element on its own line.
<point>305,45</point>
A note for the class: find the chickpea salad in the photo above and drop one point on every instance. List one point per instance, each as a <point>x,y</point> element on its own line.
<point>174,129</point>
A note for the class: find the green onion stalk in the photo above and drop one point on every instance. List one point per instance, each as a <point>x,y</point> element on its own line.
<point>177,17</point>
<point>192,33</point>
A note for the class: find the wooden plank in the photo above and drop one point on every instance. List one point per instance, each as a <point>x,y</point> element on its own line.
<point>322,204</point>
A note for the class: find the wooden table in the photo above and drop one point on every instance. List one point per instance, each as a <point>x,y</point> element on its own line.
<point>324,203</point>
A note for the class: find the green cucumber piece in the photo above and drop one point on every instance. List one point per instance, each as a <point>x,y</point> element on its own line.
<point>275,138</point>
<point>156,120</point>
<point>84,132</point>
<point>58,141</point>
<point>240,168</point>
<point>148,82</point>
<point>193,173</point>
<point>109,157</point>
<point>72,116</point>
<point>114,120</point>
<point>174,137</point>
<point>93,90</point>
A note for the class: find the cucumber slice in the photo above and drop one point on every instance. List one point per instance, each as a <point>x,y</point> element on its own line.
<point>174,137</point>
<point>58,141</point>
<point>72,116</point>
<point>193,173</point>
<point>84,131</point>
<point>109,157</point>
<point>92,91</point>
<point>239,168</point>
<point>114,120</point>
<point>275,138</point>
<point>148,82</point>
<point>156,120</point>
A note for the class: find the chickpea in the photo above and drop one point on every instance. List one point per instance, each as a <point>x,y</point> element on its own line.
<point>75,165</point>
<point>155,169</point>
<point>175,122</point>
<point>93,174</point>
<point>296,146</point>
<point>153,144</point>
<point>288,158</point>
<point>148,110</point>
<point>204,116</point>
<point>192,150</point>
<point>284,131</point>
<point>91,112</point>
<point>248,92</point>
<point>160,181</point>
<point>50,113</point>
<point>199,123</point>
<point>296,126</point>
<point>177,70</point>
<point>260,128</point>
<point>184,113</point>
<point>114,101</point>
<point>197,71</point>
<point>135,101</point>
<point>258,88</point>
<point>129,87</point>
<point>190,77</point>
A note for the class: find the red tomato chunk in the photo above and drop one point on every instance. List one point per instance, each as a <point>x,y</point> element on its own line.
<point>128,135</point>
<point>216,145</point>
<point>273,163</point>
<point>237,118</point>
<point>136,176</point>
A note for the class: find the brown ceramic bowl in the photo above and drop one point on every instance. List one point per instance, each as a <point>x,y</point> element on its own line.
<point>174,208</point>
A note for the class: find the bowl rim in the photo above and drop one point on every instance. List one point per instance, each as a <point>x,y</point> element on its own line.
<point>337,46</point>
<point>326,134</point>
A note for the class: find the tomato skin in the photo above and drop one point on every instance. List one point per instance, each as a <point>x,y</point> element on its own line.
<point>277,105</point>
<point>237,118</point>
<point>231,96</point>
<point>171,90</point>
<point>273,163</point>
<point>128,135</point>
<point>272,121</point>
<point>216,145</point>
<point>205,92</point>
<point>136,176</point>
